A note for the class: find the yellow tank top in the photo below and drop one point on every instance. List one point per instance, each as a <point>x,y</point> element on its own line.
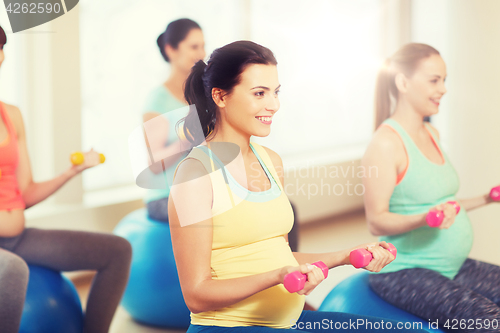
<point>248,240</point>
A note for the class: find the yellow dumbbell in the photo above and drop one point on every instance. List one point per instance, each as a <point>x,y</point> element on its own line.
<point>78,158</point>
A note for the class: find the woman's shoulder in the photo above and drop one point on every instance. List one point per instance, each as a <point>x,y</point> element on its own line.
<point>433,129</point>
<point>160,100</point>
<point>274,156</point>
<point>15,116</point>
<point>159,90</point>
<point>12,110</point>
<point>190,168</point>
<point>155,94</point>
<point>385,142</point>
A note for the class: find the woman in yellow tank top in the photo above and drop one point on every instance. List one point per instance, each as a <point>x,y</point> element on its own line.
<point>229,215</point>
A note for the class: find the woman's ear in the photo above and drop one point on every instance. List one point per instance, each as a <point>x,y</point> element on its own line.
<point>219,97</point>
<point>169,51</point>
<point>401,82</point>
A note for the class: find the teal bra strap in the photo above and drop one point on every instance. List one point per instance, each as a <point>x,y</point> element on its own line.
<point>264,166</point>
<point>208,166</point>
<point>216,160</point>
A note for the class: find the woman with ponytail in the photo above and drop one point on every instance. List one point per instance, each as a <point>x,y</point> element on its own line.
<point>181,45</point>
<point>432,277</point>
<point>229,215</point>
<point>60,250</point>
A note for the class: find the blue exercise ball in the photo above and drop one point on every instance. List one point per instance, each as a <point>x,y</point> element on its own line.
<point>153,295</point>
<point>52,304</point>
<point>354,295</point>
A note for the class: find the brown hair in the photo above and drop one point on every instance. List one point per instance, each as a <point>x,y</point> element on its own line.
<point>175,33</point>
<point>3,38</point>
<point>405,60</point>
<point>223,70</point>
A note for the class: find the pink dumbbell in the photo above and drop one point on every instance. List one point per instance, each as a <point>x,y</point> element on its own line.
<point>435,217</point>
<point>296,281</point>
<point>495,193</point>
<point>361,257</point>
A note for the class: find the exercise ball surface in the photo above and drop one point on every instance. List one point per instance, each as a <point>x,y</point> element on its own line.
<point>354,295</point>
<point>153,295</point>
<point>52,304</point>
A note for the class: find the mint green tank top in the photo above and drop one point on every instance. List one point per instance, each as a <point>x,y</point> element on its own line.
<point>162,101</point>
<point>425,185</point>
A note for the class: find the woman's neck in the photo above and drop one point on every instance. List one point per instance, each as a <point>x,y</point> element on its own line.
<point>229,135</point>
<point>175,83</point>
<point>408,117</point>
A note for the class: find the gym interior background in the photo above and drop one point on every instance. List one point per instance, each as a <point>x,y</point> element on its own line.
<point>81,80</point>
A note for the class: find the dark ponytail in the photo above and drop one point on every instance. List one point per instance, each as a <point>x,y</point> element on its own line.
<point>200,121</point>
<point>175,33</point>
<point>3,38</point>
<point>405,61</point>
<point>223,71</point>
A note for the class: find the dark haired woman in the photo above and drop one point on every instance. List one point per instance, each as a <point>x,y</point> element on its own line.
<point>432,276</point>
<point>181,45</point>
<point>229,217</point>
<point>61,250</point>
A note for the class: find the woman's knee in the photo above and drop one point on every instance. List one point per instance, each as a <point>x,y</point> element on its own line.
<point>13,270</point>
<point>120,248</point>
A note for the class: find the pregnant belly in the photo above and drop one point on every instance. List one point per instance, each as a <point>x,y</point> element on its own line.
<point>11,222</point>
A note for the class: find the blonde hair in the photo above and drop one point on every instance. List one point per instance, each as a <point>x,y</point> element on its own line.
<point>405,60</point>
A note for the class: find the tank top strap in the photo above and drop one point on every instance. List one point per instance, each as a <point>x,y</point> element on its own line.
<point>436,140</point>
<point>197,154</point>
<point>209,160</point>
<point>223,196</point>
<point>266,163</point>
<point>411,148</point>
<point>8,123</point>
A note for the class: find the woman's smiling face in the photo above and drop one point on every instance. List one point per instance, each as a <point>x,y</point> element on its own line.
<point>426,86</point>
<point>250,106</point>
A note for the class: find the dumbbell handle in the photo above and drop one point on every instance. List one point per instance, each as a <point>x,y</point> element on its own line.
<point>435,217</point>
<point>296,281</point>
<point>78,158</point>
<point>361,257</point>
<point>495,193</point>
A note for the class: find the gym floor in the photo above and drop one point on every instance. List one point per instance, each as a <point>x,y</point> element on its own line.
<point>328,235</point>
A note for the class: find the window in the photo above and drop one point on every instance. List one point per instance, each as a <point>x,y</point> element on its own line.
<point>328,55</point>
<point>120,64</point>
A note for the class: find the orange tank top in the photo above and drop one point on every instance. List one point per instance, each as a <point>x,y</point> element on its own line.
<point>10,194</point>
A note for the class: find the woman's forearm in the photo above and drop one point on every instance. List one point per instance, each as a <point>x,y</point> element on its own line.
<point>331,260</point>
<point>473,203</point>
<point>387,224</point>
<point>212,294</point>
<point>37,192</point>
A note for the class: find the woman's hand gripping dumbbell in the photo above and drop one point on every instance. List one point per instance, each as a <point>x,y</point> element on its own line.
<point>78,158</point>
<point>435,217</point>
<point>295,281</point>
<point>495,193</point>
<point>82,161</point>
<point>360,258</point>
